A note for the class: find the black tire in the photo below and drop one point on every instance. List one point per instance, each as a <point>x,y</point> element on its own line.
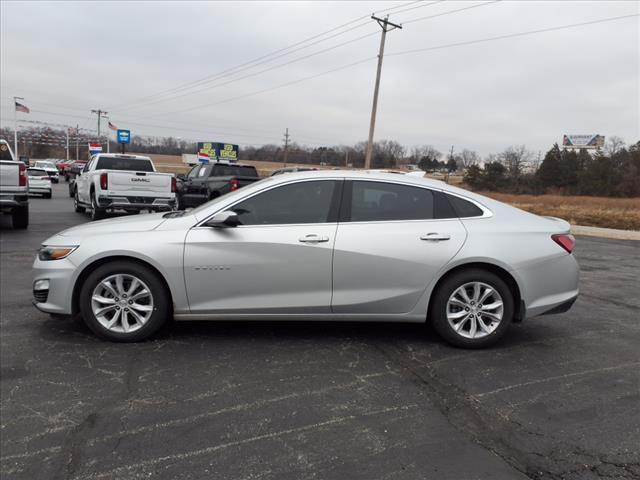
<point>47,195</point>
<point>76,203</point>
<point>71,192</point>
<point>96,213</point>
<point>20,217</point>
<point>438,310</point>
<point>161,301</point>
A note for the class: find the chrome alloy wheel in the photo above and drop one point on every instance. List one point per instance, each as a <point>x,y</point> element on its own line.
<point>122,303</point>
<point>475,310</point>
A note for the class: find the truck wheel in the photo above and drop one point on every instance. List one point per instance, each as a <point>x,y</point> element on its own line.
<point>20,217</point>
<point>97,213</point>
<point>48,194</point>
<point>76,203</point>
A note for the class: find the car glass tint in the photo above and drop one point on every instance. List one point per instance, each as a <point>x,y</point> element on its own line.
<point>204,171</point>
<point>302,202</point>
<point>234,170</point>
<point>126,164</point>
<point>194,172</point>
<point>464,208</point>
<point>442,208</point>
<point>378,201</point>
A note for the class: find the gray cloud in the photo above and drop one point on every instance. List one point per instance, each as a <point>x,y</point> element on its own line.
<point>69,57</point>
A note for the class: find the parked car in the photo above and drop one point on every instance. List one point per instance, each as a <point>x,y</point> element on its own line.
<point>74,169</point>
<point>111,182</point>
<point>49,167</point>
<point>14,187</point>
<point>326,245</point>
<point>208,181</point>
<point>39,182</point>
<point>62,165</point>
<point>280,171</point>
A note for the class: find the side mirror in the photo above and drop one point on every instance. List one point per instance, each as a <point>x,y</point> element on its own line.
<point>224,219</point>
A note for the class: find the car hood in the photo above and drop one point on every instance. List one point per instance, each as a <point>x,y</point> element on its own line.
<point>133,223</point>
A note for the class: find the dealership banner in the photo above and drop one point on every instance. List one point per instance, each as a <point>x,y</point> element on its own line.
<point>583,141</point>
<point>216,151</point>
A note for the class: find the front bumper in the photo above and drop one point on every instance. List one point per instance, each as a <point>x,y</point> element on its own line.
<point>60,274</point>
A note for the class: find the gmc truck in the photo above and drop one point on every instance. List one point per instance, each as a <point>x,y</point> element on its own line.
<point>111,182</point>
<point>210,180</point>
<point>14,187</point>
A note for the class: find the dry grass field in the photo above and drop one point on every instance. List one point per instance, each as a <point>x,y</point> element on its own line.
<point>622,213</point>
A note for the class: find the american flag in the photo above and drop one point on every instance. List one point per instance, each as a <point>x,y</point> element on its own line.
<point>21,108</point>
<point>112,126</point>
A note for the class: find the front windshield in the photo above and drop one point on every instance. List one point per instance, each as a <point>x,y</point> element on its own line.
<point>239,193</point>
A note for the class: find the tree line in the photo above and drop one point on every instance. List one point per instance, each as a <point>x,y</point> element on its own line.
<point>612,171</point>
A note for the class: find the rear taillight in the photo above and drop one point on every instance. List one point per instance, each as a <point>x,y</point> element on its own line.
<point>22,175</point>
<point>565,240</point>
<point>234,184</point>
<point>104,181</point>
<point>173,185</point>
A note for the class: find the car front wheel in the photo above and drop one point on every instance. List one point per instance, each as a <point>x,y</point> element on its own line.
<point>124,302</point>
<point>472,308</point>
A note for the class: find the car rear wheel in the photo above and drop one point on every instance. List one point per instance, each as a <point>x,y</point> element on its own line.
<point>47,195</point>
<point>124,302</point>
<point>76,203</point>
<point>472,308</point>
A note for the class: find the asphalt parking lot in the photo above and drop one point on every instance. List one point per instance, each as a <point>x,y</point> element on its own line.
<point>557,399</point>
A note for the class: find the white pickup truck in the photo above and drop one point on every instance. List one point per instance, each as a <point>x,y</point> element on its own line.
<point>14,187</point>
<point>112,182</point>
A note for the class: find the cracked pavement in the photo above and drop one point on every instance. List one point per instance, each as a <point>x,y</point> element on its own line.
<point>557,399</point>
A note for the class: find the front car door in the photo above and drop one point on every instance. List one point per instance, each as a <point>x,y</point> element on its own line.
<point>83,183</point>
<point>277,261</point>
<point>391,242</point>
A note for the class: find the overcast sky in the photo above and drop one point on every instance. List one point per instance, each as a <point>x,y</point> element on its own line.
<point>66,58</point>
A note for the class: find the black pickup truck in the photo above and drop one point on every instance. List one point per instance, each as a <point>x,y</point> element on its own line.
<point>207,181</point>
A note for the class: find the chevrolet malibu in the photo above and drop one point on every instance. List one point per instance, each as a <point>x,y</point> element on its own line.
<point>321,245</point>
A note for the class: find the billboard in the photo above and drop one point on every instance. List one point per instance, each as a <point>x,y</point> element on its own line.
<point>216,151</point>
<point>583,141</point>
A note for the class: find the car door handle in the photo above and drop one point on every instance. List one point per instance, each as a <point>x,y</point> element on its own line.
<point>313,238</point>
<point>435,237</point>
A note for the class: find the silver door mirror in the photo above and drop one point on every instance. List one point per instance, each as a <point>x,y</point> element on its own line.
<point>224,219</point>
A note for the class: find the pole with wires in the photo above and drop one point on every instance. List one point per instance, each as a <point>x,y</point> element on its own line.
<point>286,146</point>
<point>387,26</point>
<point>100,113</point>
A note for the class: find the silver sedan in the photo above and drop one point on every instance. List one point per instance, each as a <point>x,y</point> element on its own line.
<point>323,245</point>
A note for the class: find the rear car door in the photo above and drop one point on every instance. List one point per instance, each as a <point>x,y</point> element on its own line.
<point>277,261</point>
<point>391,242</point>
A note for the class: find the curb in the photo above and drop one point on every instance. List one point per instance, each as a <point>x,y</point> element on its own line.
<point>605,232</point>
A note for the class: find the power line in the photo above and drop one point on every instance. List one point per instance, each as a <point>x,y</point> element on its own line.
<point>512,35</point>
<point>252,63</point>
<point>450,12</point>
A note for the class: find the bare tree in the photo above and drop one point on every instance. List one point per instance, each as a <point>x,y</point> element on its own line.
<point>420,152</point>
<point>614,145</point>
<point>467,158</point>
<point>515,158</point>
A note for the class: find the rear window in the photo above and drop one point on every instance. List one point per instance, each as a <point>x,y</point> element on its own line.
<point>5,153</point>
<point>36,172</point>
<point>123,163</point>
<point>45,165</point>
<point>234,171</point>
<point>464,208</point>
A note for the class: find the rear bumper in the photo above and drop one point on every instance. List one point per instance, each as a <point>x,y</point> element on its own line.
<point>33,189</point>
<point>550,286</point>
<point>124,203</point>
<point>12,201</point>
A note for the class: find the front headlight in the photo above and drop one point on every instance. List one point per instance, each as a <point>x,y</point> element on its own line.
<point>55,253</point>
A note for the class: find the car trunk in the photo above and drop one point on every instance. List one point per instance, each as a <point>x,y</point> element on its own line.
<point>141,184</point>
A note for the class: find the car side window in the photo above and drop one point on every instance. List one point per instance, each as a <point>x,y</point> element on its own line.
<point>194,171</point>
<point>380,201</point>
<point>464,208</point>
<point>87,166</point>
<point>301,202</point>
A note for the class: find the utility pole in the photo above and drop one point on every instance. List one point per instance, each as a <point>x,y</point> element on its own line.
<point>15,126</point>
<point>100,114</point>
<point>67,144</point>
<point>77,141</point>
<point>286,146</point>
<point>387,26</point>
